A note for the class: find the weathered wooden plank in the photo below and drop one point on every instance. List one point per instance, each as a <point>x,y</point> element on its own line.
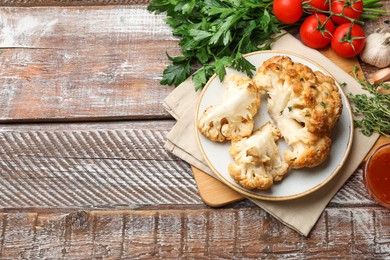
<point>169,227</point>
<point>70,2</point>
<point>353,192</point>
<point>60,28</point>
<point>18,236</point>
<point>340,230</point>
<point>382,232</point>
<point>363,231</point>
<point>196,234</point>
<point>108,232</point>
<point>222,238</point>
<point>78,235</point>
<point>251,243</point>
<point>140,235</point>
<point>111,165</point>
<point>92,168</point>
<point>203,233</point>
<point>50,236</point>
<point>110,68</point>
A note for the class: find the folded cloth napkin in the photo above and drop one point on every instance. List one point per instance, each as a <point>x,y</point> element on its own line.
<point>300,214</point>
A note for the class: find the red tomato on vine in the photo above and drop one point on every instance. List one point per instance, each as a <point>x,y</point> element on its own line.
<point>318,4</point>
<point>288,11</point>
<point>348,40</point>
<point>316,31</point>
<point>349,8</point>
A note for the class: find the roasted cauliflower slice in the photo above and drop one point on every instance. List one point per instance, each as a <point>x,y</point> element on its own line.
<point>257,162</point>
<point>232,119</point>
<point>305,105</point>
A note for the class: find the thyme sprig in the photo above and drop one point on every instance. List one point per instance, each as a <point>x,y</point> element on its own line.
<point>372,110</point>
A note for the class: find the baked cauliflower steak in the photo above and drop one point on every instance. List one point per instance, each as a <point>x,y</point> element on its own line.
<point>257,162</point>
<point>304,105</point>
<point>233,118</point>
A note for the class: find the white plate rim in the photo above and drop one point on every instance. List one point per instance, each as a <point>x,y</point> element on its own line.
<point>248,193</point>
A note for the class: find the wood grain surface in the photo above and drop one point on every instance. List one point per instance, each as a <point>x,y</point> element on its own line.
<point>125,166</point>
<point>32,3</point>
<point>116,165</point>
<point>57,182</point>
<point>200,234</point>
<point>107,189</point>
<point>55,67</point>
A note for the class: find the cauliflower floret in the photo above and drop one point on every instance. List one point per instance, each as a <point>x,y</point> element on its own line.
<point>304,105</point>
<point>308,149</point>
<point>257,162</point>
<point>232,119</point>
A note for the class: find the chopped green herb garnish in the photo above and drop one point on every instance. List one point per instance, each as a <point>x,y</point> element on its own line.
<point>343,84</point>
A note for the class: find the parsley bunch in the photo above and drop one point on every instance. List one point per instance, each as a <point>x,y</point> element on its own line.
<point>215,34</point>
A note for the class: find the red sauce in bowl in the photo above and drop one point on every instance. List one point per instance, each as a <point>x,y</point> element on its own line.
<point>377,175</point>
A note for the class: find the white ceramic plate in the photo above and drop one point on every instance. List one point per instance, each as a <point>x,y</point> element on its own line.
<point>297,182</point>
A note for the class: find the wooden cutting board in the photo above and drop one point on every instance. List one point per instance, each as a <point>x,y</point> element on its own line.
<point>216,194</point>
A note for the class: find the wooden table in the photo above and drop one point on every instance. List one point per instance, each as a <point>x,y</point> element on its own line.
<point>83,171</point>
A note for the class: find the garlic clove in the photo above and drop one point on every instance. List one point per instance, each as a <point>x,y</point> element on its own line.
<point>382,90</point>
<point>381,75</point>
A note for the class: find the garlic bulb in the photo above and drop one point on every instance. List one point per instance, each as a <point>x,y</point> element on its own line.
<point>376,52</point>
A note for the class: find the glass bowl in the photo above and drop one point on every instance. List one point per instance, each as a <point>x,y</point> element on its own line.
<point>376,175</point>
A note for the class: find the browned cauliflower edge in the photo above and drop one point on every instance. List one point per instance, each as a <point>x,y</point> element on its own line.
<point>232,119</point>
<point>304,105</point>
<point>257,162</point>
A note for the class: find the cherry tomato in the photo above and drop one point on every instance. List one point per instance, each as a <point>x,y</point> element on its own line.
<point>349,8</point>
<point>288,11</point>
<point>318,4</point>
<point>316,31</point>
<point>348,40</point>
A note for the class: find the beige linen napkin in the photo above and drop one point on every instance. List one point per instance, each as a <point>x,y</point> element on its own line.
<point>300,214</point>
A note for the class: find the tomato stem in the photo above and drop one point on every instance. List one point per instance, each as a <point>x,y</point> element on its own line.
<point>369,6</point>
<point>349,38</point>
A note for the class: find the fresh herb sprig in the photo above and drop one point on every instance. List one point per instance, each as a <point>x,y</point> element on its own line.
<point>215,34</point>
<point>372,9</point>
<point>373,110</point>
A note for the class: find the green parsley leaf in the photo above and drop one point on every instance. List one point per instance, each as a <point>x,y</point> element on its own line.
<point>242,64</point>
<point>188,7</point>
<point>199,35</point>
<point>214,34</point>
<point>199,78</point>
<point>220,65</point>
<point>176,74</point>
